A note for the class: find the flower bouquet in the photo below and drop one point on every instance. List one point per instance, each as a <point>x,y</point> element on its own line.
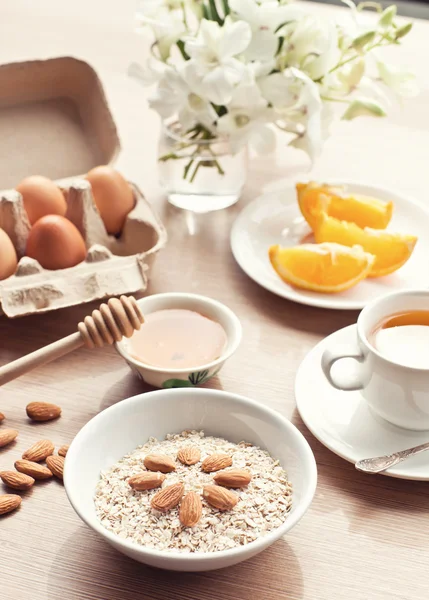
<point>230,73</point>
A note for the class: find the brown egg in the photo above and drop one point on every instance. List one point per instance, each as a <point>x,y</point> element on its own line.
<point>112,195</point>
<point>41,197</point>
<point>55,243</point>
<point>8,259</point>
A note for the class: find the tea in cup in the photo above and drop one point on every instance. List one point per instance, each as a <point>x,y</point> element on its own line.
<point>392,354</point>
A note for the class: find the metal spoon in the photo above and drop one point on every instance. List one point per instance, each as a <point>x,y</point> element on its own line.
<point>381,463</point>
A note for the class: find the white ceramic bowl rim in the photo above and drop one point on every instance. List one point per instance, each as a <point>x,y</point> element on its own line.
<point>204,300</point>
<point>271,537</point>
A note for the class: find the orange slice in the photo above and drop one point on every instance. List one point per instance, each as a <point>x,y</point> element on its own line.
<point>391,250</point>
<point>326,268</point>
<point>315,199</point>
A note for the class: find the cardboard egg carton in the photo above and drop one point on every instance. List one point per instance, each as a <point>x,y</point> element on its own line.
<point>55,121</point>
<point>112,266</point>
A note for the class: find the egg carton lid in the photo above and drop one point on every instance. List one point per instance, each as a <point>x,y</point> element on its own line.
<point>54,120</point>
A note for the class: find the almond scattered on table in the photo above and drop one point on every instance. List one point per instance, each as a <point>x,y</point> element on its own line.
<point>146,481</point>
<point>16,480</point>
<point>191,509</point>
<point>9,502</point>
<point>7,436</point>
<point>216,462</point>
<point>219,497</point>
<point>159,462</point>
<point>33,469</point>
<point>39,451</point>
<point>43,411</point>
<point>168,498</point>
<point>233,478</point>
<point>2,417</point>
<point>56,465</point>
<point>63,450</point>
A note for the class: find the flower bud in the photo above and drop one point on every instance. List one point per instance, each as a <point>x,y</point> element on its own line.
<point>387,16</point>
<point>363,106</point>
<point>402,31</point>
<point>362,40</point>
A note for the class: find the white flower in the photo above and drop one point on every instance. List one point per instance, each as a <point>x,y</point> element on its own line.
<point>345,80</point>
<point>166,24</point>
<point>264,19</point>
<point>174,96</point>
<point>296,100</point>
<point>313,47</point>
<point>401,82</point>
<point>213,60</point>
<point>247,120</point>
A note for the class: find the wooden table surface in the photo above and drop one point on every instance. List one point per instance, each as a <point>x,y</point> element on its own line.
<point>363,537</point>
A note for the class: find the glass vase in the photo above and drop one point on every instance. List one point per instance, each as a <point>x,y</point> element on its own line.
<point>200,175</point>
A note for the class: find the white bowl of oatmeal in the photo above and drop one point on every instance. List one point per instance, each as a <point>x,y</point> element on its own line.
<point>113,447</point>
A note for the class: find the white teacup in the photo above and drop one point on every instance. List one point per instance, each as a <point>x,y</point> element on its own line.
<point>395,392</point>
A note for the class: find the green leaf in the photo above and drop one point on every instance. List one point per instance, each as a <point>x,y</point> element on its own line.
<point>176,383</point>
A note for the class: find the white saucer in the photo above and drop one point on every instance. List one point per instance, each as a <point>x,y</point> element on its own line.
<point>342,422</point>
<point>270,218</point>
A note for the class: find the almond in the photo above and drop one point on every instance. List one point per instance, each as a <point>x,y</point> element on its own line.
<point>219,497</point>
<point>7,436</point>
<point>17,481</point>
<point>63,450</point>
<point>216,462</point>
<point>191,509</point>
<point>189,455</point>
<point>43,411</point>
<point>233,478</point>
<point>33,469</point>
<point>2,417</point>
<point>9,502</point>
<point>146,481</point>
<point>56,465</point>
<point>159,462</point>
<point>39,451</point>
<point>168,498</point>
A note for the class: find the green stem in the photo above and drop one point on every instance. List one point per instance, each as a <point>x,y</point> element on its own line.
<point>226,9</point>
<point>187,168</point>
<point>214,12</point>
<point>216,162</point>
<point>357,55</point>
<point>181,45</point>
<point>206,14</point>
<point>191,180</point>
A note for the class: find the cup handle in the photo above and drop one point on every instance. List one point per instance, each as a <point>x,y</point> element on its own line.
<point>330,357</point>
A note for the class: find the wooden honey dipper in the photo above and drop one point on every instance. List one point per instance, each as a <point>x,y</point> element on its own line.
<point>109,324</point>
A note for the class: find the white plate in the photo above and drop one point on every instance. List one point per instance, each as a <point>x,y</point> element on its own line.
<point>342,421</point>
<point>266,221</point>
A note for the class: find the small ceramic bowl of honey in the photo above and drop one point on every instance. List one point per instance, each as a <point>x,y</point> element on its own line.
<point>184,341</point>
